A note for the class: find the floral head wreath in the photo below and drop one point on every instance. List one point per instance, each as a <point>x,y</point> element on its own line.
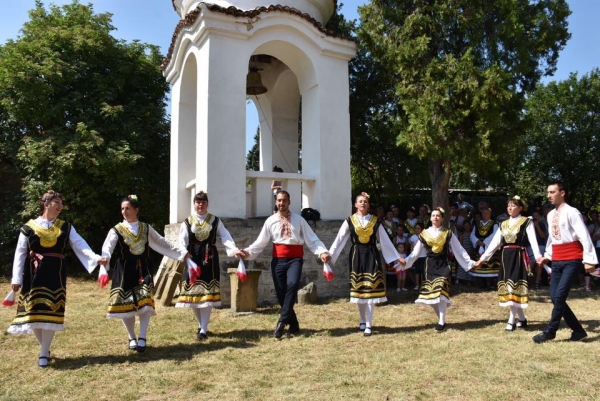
<point>427,207</point>
<point>518,198</point>
<point>132,197</point>
<point>366,195</point>
<point>50,195</point>
<point>441,210</point>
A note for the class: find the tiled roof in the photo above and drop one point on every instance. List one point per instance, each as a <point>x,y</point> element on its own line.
<point>191,17</point>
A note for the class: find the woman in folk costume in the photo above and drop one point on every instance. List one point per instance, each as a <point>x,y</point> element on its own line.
<point>512,238</point>
<point>367,278</point>
<point>437,241</point>
<point>132,290</point>
<point>40,272</point>
<point>198,234</point>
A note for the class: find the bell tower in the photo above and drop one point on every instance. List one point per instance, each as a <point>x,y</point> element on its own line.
<point>281,58</point>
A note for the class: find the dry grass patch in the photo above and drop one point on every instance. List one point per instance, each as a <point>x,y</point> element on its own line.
<point>405,359</point>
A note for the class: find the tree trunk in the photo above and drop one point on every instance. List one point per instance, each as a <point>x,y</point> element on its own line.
<point>439,173</point>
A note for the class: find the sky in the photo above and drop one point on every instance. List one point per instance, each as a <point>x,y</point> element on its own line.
<point>153,21</point>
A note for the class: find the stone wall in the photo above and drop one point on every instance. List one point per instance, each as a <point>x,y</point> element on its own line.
<point>245,231</point>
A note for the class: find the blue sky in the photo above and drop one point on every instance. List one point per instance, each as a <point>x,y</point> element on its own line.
<point>153,21</point>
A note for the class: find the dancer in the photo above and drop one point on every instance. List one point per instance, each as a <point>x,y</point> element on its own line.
<point>132,288</point>
<point>512,238</point>
<point>367,278</point>
<point>198,234</point>
<point>289,232</point>
<point>40,272</point>
<point>569,244</point>
<point>435,288</point>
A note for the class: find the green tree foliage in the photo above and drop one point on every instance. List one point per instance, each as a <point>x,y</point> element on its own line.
<point>461,73</point>
<point>378,165</point>
<point>563,141</point>
<point>84,114</point>
<point>253,156</point>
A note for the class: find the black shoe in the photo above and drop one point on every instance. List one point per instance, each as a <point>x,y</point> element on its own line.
<point>132,344</point>
<point>294,328</point>
<point>362,326</point>
<point>521,324</point>
<point>43,362</point>
<point>201,336</point>
<point>141,348</point>
<point>543,337</point>
<point>440,327</point>
<point>578,336</point>
<point>279,330</point>
<point>510,327</point>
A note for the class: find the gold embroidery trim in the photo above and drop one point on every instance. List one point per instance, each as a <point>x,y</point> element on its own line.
<point>202,231</point>
<point>484,230</point>
<point>510,233</point>
<point>48,236</point>
<point>363,233</point>
<point>136,243</point>
<point>436,243</point>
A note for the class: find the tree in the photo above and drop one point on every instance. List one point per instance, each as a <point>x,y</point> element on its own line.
<point>253,156</point>
<point>462,71</point>
<point>84,114</point>
<point>563,141</point>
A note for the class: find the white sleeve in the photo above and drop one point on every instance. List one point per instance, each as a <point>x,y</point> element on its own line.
<point>310,238</point>
<point>530,230</point>
<point>19,260</point>
<point>109,245</point>
<point>474,238</point>
<point>583,235</point>
<point>462,257</point>
<point>264,237</point>
<point>82,250</point>
<point>493,245</point>
<point>387,248</point>
<point>226,239</point>
<point>184,240</point>
<point>414,255</point>
<point>339,242</point>
<point>162,246</point>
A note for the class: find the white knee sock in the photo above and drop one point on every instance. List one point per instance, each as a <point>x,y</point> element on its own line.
<point>436,309</point>
<point>38,335</point>
<point>144,322</point>
<point>129,323</point>
<point>511,317</point>
<point>369,314</point>
<point>47,337</point>
<point>362,308</point>
<point>442,312</point>
<point>205,314</point>
<point>521,313</point>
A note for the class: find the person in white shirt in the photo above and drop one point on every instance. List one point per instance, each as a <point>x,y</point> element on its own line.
<point>40,273</point>
<point>569,244</point>
<point>198,234</point>
<point>367,277</point>
<point>438,241</point>
<point>289,232</point>
<point>512,238</point>
<point>132,289</point>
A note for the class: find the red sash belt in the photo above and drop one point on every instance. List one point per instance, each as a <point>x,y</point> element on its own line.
<point>568,251</point>
<point>36,257</point>
<point>288,251</point>
<point>524,254</point>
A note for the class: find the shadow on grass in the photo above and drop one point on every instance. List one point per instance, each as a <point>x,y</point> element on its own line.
<point>175,352</point>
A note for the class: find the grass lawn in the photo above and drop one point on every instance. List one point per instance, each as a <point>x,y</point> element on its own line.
<point>474,359</point>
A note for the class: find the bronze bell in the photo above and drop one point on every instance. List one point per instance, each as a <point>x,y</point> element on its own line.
<point>254,84</point>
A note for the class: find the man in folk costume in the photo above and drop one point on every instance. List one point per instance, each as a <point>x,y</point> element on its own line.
<point>289,232</point>
<point>569,244</point>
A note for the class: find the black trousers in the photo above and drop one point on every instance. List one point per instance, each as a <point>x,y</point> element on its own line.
<point>286,278</point>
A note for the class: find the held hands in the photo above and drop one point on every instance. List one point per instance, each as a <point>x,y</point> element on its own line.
<point>15,287</point>
<point>325,257</point>
<point>589,268</point>
<point>402,261</point>
<point>103,261</point>
<point>240,253</point>
<point>542,261</point>
<point>478,264</point>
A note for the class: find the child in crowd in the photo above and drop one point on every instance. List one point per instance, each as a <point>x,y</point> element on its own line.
<point>401,277</point>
